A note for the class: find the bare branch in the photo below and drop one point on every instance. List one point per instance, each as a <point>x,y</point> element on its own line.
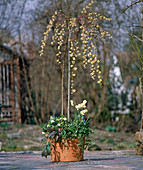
<point>132,5</point>
<point>137,38</point>
<point>134,36</point>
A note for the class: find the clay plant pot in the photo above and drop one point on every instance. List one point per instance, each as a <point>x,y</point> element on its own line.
<point>67,151</point>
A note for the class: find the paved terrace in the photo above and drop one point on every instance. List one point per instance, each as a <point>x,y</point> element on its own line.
<point>108,160</point>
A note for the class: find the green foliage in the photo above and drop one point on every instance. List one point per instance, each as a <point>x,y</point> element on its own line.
<point>5,125</point>
<point>3,136</point>
<point>66,130</point>
<point>35,148</point>
<point>105,116</point>
<point>93,147</point>
<point>18,125</point>
<point>126,145</point>
<point>46,150</point>
<point>11,146</point>
<point>107,140</point>
<point>42,125</point>
<point>111,128</point>
<point>60,128</point>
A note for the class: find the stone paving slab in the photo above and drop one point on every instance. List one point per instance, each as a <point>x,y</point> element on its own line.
<point>107,160</point>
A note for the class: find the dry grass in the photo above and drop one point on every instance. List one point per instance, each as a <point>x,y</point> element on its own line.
<point>28,137</point>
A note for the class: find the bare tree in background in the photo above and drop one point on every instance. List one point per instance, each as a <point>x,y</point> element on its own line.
<point>137,46</point>
<point>21,26</point>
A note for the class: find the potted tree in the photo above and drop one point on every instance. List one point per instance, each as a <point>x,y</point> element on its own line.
<point>66,139</point>
<point>77,38</point>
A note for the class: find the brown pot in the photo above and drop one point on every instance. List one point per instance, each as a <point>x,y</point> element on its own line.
<point>67,151</point>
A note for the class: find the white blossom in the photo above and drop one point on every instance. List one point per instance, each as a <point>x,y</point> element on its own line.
<point>83,105</point>
<point>83,112</point>
<point>51,117</point>
<point>84,101</point>
<point>64,118</point>
<point>52,121</point>
<point>72,103</point>
<point>76,107</point>
<point>43,133</point>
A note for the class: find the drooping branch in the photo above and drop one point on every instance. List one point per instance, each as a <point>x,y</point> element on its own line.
<point>83,29</point>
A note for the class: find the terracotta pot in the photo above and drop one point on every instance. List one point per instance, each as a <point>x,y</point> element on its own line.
<point>67,151</point>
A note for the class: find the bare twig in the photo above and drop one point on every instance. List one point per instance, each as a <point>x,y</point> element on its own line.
<point>134,36</point>
<point>132,5</point>
<point>137,38</point>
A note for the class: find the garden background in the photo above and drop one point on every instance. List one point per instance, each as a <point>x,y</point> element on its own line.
<point>115,107</point>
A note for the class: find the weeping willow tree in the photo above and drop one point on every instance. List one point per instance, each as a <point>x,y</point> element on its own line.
<point>75,38</point>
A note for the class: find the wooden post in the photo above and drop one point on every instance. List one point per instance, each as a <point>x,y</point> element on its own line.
<point>2,84</point>
<point>18,92</point>
<point>12,91</point>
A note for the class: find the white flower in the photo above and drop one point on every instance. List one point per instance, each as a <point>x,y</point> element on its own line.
<point>59,124</point>
<point>51,117</point>
<point>43,133</point>
<point>84,101</point>
<point>64,118</point>
<point>83,112</point>
<point>77,108</point>
<point>52,121</point>
<point>83,105</point>
<point>72,103</point>
<point>80,105</point>
<point>48,125</point>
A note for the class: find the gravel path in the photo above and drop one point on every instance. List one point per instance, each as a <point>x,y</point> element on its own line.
<point>108,160</point>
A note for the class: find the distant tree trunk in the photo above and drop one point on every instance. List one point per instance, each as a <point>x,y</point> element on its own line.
<point>141,89</point>
<point>28,89</point>
<point>140,81</point>
<point>104,87</point>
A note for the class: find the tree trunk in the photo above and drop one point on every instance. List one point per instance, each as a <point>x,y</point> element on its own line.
<point>104,71</point>
<point>69,76</point>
